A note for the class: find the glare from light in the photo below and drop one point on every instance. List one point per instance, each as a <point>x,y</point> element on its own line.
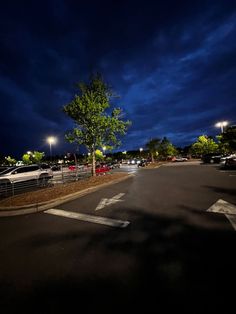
<point>51,140</point>
<point>221,125</point>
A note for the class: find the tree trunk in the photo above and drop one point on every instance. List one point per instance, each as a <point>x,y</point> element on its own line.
<point>152,157</point>
<point>93,164</point>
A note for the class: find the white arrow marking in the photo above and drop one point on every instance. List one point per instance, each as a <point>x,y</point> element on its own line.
<point>232,219</point>
<point>109,201</point>
<point>223,207</point>
<point>89,218</point>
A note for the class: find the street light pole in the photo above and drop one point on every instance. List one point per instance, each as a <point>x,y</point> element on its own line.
<point>51,140</point>
<point>140,149</point>
<point>50,146</point>
<point>104,150</point>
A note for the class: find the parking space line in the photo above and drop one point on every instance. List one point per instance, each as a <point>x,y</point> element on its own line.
<point>88,218</point>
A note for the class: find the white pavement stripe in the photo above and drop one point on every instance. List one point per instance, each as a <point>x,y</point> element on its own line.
<point>101,204</point>
<point>223,207</point>
<point>116,197</point>
<point>109,201</point>
<point>89,218</point>
<point>232,219</point>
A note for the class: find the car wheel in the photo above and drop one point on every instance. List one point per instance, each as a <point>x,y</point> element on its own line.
<point>212,161</point>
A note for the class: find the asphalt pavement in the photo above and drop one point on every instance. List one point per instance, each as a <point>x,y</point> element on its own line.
<point>145,244</point>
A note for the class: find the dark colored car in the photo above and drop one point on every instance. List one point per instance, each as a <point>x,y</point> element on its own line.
<point>230,163</point>
<point>142,163</point>
<point>56,167</point>
<point>113,165</point>
<point>212,158</point>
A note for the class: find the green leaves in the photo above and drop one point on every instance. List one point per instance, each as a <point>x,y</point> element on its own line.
<point>94,126</point>
<point>204,145</point>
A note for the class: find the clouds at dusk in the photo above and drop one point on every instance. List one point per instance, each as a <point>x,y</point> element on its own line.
<point>173,65</point>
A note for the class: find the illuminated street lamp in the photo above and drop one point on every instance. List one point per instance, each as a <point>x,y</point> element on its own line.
<point>221,125</point>
<point>104,150</point>
<point>140,149</point>
<point>51,140</point>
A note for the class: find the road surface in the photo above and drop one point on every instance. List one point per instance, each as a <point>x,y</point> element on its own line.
<point>147,244</point>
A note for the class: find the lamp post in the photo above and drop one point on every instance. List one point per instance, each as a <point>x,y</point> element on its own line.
<point>221,125</point>
<point>140,149</point>
<point>104,150</point>
<point>51,140</point>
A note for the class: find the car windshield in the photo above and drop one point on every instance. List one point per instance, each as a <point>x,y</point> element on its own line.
<point>7,170</point>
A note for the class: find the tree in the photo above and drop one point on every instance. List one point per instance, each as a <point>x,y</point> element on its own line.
<point>95,126</point>
<point>166,148</point>
<point>227,139</point>
<point>204,145</point>
<point>153,146</point>
<point>37,157</point>
<point>98,156</point>
<point>11,161</point>
<point>26,159</point>
<point>32,157</point>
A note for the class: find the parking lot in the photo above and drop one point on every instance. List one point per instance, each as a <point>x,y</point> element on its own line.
<point>162,228</point>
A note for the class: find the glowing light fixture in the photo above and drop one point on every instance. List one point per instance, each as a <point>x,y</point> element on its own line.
<point>221,125</point>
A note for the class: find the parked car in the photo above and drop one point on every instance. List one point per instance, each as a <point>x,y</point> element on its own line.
<point>134,161</point>
<point>179,159</point>
<point>230,162</point>
<point>102,169</point>
<point>56,167</point>
<point>212,158</point>
<point>143,163</point>
<point>113,165</point>
<point>2,168</point>
<point>39,174</point>
<point>73,167</point>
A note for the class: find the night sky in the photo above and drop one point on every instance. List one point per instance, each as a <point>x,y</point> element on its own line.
<point>173,63</point>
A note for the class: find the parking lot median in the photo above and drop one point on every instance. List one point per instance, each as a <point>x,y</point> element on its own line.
<point>43,199</point>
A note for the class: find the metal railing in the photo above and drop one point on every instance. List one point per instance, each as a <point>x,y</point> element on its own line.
<point>61,176</point>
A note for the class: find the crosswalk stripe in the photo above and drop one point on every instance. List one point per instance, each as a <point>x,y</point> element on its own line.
<point>89,218</point>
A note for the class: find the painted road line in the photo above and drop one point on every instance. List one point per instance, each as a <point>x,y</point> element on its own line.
<point>228,209</point>
<point>89,218</point>
<point>223,207</point>
<point>109,201</point>
<point>232,219</point>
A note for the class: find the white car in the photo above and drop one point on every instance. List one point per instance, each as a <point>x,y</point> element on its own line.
<point>180,158</point>
<point>39,174</point>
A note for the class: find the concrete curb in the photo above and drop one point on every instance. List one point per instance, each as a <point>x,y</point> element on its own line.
<point>38,207</point>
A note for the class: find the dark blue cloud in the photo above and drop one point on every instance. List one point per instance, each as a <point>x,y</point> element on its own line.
<point>173,65</point>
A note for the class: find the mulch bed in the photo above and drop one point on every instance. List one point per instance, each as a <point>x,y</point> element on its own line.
<point>53,192</point>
